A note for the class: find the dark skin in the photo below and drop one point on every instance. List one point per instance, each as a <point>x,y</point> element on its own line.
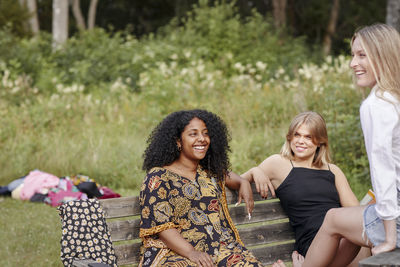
<point>194,143</point>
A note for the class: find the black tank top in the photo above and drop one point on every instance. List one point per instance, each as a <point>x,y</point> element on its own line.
<point>306,195</point>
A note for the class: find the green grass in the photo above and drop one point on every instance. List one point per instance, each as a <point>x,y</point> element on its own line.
<point>30,234</point>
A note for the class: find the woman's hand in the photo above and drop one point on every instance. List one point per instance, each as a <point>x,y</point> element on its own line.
<point>235,182</point>
<point>263,183</point>
<point>246,194</point>
<point>174,240</point>
<point>201,258</point>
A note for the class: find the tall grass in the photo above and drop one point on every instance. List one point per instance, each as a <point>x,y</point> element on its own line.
<point>103,134</point>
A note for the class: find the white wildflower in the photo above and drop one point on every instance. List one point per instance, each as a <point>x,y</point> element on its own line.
<point>261,66</point>
<point>187,54</point>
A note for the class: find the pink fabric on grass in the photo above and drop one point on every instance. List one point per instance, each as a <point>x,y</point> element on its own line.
<point>65,192</point>
<point>36,181</point>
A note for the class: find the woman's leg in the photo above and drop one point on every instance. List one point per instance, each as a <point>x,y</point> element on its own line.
<point>338,223</point>
<point>345,253</point>
<point>364,253</point>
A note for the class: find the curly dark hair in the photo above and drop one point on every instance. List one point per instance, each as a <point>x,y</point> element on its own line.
<point>162,148</point>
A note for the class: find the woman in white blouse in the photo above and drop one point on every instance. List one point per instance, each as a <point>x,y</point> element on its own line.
<point>376,64</point>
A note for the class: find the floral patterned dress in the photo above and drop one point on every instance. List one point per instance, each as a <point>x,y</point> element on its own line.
<point>198,210</point>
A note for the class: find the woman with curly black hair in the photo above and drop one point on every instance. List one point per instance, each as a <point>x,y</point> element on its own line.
<point>185,219</point>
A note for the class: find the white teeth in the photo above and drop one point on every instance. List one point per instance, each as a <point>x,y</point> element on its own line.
<point>199,147</point>
<point>359,72</point>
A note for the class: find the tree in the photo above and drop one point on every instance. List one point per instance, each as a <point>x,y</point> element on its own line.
<point>279,12</point>
<point>33,20</point>
<point>330,30</point>
<point>92,14</point>
<point>76,11</point>
<point>60,22</point>
<point>80,21</point>
<point>393,13</point>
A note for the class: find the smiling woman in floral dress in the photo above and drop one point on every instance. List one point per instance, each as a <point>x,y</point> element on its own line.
<point>185,219</point>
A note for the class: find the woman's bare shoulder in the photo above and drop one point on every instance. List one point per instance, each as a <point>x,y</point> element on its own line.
<point>276,159</point>
<point>274,162</point>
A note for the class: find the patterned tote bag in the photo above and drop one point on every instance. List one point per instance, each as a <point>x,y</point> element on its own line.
<point>85,234</point>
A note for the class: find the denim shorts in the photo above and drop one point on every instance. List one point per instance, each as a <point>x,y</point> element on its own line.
<point>373,227</point>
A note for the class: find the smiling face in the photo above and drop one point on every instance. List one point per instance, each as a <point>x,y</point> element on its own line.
<point>302,144</point>
<point>194,141</point>
<point>361,65</point>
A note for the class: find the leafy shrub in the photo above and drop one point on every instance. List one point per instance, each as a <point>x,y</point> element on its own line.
<point>213,32</point>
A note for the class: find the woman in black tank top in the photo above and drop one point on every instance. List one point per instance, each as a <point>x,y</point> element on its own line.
<point>306,195</point>
<point>305,181</point>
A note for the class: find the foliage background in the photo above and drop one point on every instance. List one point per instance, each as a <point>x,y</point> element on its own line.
<point>88,107</point>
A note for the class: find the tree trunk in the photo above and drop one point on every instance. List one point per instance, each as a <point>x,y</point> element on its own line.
<point>279,12</point>
<point>76,10</point>
<point>92,14</point>
<point>33,21</point>
<point>393,13</point>
<point>330,30</point>
<point>60,22</point>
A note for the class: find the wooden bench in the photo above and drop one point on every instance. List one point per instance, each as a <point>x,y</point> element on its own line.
<point>388,259</point>
<point>268,234</point>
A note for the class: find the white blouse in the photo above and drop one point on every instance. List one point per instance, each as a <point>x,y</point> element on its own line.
<point>380,121</point>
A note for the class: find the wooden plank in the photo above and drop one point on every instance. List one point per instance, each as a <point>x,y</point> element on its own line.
<point>262,212</point>
<point>120,207</point>
<point>266,234</point>
<point>232,196</point>
<point>387,259</point>
<point>127,253</point>
<point>129,206</point>
<point>251,235</point>
<point>129,229</point>
<point>268,255</point>
<point>124,230</point>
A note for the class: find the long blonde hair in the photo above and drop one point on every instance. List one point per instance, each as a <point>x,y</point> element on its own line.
<point>317,127</point>
<point>381,44</point>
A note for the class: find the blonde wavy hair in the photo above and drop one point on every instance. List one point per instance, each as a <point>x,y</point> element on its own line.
<point>317,127</point>
<point>381,44</point>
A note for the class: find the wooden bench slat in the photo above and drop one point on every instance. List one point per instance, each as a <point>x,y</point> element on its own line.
<point>129,229</point>
<point>127,253</point>
<point>265,234</point>
<point>120,207</point>
<point>262,212</point>
<point>268,255</point>
<point>129,206</point>
<point>124,230</point>
<point>232,196</point>
<point>387,259</point>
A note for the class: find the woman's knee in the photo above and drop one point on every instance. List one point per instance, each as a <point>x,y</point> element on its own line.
<point>343,220</point>
<point>333,219</point>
